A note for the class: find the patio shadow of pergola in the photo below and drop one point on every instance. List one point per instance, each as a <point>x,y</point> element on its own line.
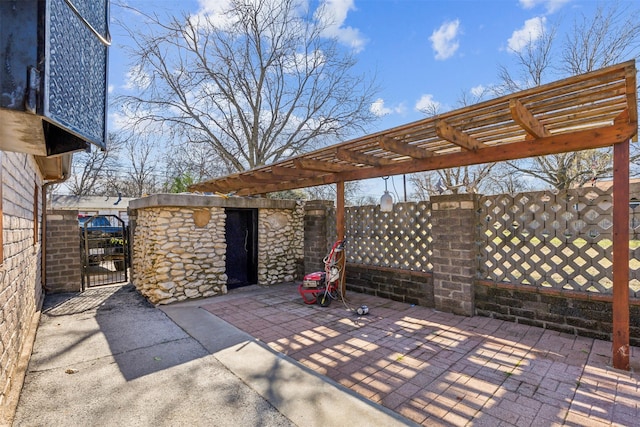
<point>438,368</point>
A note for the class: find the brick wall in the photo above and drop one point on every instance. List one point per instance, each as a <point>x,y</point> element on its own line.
<point>454,252</point>
<point>413,287</point>
<point>575,313</point>
<point>62,259</point>
<point>316,235</point>
<point>20,280</point>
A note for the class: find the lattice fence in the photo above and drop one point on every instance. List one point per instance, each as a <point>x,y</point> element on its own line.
<point>560,240</point>
<point>399,239</point>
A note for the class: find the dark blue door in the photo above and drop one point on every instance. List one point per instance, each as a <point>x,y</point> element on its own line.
<point>242,255</point>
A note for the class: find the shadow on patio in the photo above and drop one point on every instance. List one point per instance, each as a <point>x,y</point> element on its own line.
<point>437,368</point>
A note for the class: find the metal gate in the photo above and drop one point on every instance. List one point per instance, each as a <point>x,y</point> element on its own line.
<point>104,241</point>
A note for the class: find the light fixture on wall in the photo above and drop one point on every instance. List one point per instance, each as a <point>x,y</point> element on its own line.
<point>386,201</point>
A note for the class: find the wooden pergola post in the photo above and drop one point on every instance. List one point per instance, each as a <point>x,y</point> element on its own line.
<point>340,232</point>
<point>620,336</point>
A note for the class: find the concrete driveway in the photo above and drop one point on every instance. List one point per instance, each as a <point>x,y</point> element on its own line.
<point>108,358</point>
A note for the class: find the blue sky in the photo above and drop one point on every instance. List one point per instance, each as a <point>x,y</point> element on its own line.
<point>421,51</point>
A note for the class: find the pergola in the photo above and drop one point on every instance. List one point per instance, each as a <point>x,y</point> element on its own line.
<point>593,110</point>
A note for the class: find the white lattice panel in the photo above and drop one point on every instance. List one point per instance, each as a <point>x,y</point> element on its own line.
<point>560,240</point>
<point>399,239</point>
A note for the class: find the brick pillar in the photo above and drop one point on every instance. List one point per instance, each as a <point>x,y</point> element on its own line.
<point>63,262</point>
<point>454,252</point>
<point>316,213</point>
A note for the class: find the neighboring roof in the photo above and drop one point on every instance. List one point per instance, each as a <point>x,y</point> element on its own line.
<point>607,184</point>
<point>592,110</point>
<point>90,203</point>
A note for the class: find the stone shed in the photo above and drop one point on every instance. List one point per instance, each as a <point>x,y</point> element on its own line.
<point>187,246</point>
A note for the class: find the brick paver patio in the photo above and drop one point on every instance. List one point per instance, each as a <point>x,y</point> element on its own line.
<point>440,369</point>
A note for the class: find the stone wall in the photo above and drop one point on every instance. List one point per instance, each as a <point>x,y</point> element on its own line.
<point>20,269</point>
<point>63,259</point>
<point>280,249</point>
<point>179,246</point>
<point>179,253</point>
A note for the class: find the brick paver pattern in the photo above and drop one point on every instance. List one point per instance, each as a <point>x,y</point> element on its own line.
<point>441,369</point>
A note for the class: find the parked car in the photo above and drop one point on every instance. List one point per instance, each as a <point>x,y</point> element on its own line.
<point>99,226</point>
<point>102,241</point>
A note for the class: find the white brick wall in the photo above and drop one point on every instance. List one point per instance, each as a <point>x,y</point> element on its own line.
<point>20,271</point>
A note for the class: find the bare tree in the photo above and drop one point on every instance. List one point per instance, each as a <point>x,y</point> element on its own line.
<point>141,176</point>
<point>533,63</point>
<point>467,179</point>
<point>352,194</point>
<point>611,35</point>
<point>258,84</point>
<point>504,179</point>
<point>186,164</point>
<point>91,169</point>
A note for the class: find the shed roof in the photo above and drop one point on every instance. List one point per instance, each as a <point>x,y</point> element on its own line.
<point>592,110</point>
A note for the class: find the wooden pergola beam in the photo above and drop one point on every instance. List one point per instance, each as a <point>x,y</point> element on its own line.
<point>286,185</point>
<point>522,116</point>
<point>361,158</point>
<point>258,178</point>
<point>292,172</point>
<point>457,137</point>
<point>399,147</point>
<point>607,136</point>
<point>320,165</point>
<point>621,130</point>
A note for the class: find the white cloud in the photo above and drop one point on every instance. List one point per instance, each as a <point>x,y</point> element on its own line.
<point>214,10</point>
<point>444,40</point>
<point>530,32</point>
<point>110,89</point>
<point>426,104</point>
<point>551,5</point>
<point>332,14</point>
<point>379,109</point>
<point>137,78</point>
<point>478,91</point>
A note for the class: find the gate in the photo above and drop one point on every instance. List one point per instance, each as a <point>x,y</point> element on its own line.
<point>104,243</point>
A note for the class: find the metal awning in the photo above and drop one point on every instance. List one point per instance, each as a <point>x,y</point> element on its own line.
<point>592,110</point>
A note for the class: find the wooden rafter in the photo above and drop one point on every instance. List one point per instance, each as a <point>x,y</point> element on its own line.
<point>255,178</point>
<point>358,158</point>
<point>320,165</point>
<point>283,172</point>
<point>395,146</point>
<point>457,137</point>
<point>527,120</point>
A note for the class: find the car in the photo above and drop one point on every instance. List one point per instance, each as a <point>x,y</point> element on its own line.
<point>101,240</point>
<point>98,226</point>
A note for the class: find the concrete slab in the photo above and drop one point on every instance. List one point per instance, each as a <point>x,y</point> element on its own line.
<point>106,357</point>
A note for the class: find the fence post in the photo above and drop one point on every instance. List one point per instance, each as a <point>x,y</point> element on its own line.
<point>454,253</point>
